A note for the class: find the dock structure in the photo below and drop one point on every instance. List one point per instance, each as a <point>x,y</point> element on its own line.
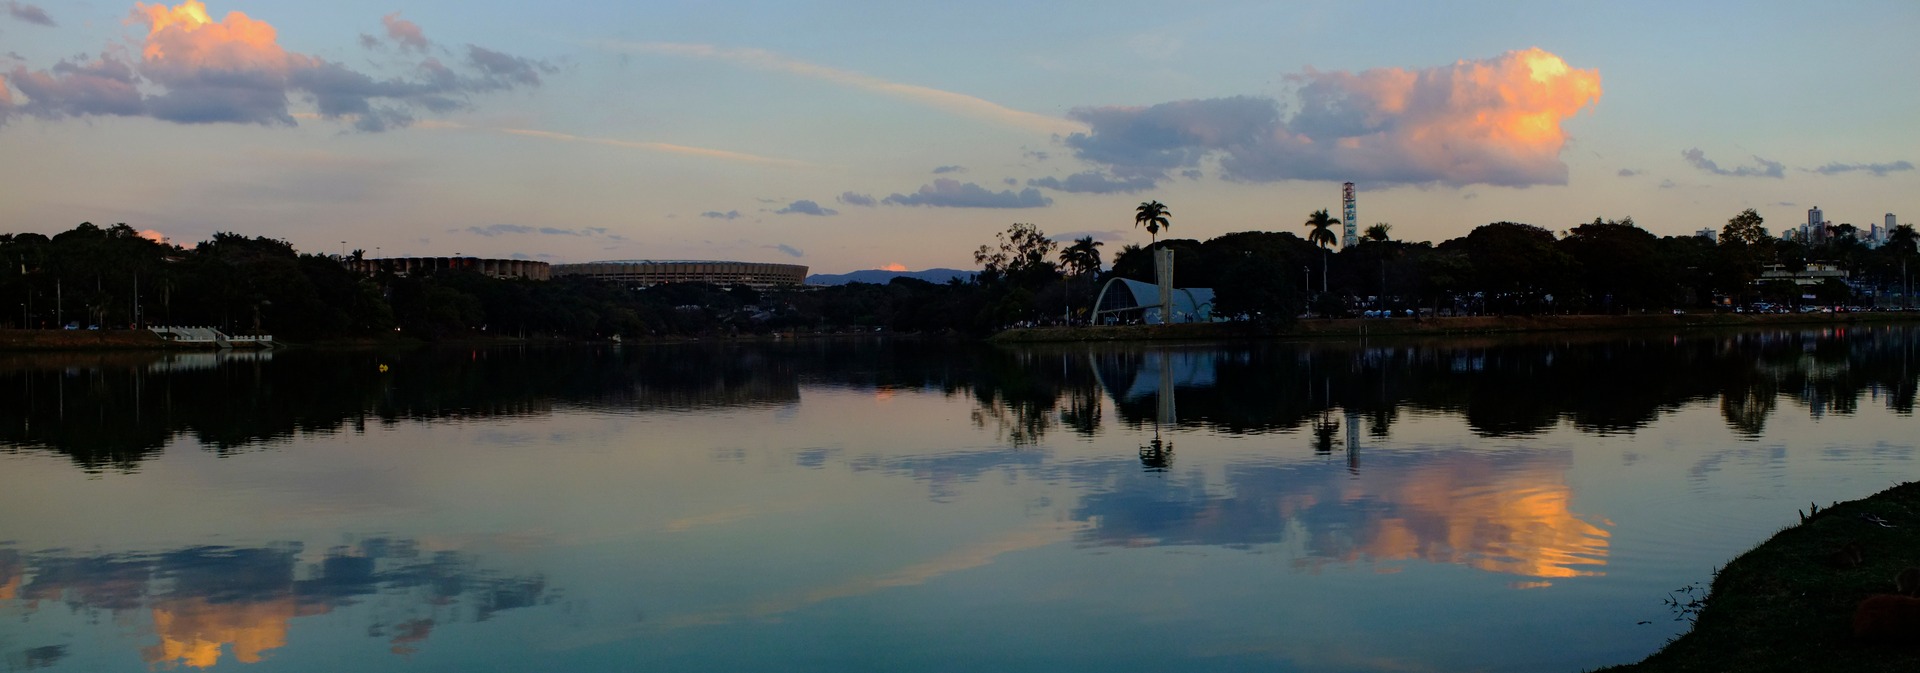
<point>210,336</point>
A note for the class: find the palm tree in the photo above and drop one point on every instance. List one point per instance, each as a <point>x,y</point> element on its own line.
<point>1322,235</point>
<point>1082,259</point>
<point>1378,232</point>
<point>1154,215</point>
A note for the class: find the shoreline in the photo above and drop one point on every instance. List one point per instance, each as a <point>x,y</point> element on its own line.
<point>1788,603</point>
<point>1335,329</point>
<point>1352,328</point>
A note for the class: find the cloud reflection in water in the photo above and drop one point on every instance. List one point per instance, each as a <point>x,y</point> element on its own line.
<point>206,601</point>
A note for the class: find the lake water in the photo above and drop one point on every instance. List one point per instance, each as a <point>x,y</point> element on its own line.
<point>1523,504</point>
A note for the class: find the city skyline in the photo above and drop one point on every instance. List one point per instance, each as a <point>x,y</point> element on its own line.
<point>848,136</point>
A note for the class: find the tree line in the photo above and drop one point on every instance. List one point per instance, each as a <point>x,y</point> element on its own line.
<point>1502,268</point>
<point>113,277</point>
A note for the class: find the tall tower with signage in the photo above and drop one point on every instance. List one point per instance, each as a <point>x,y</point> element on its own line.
<point>1348,220</point>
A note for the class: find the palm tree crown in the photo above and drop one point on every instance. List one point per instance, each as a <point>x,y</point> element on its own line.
<point>1083,257</point>
<point>1379,232</point>
<point>1322,224</point>
<point>1154,215</point>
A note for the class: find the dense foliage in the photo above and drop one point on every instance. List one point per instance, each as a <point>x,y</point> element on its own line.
<point>112,277</point>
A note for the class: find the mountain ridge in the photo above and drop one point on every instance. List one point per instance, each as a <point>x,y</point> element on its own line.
<point>883,276</point>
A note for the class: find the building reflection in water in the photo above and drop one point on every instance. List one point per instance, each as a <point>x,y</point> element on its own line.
<point>207,602</point>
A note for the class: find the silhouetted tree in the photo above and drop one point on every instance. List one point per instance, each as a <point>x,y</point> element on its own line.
<point>1154,216</point>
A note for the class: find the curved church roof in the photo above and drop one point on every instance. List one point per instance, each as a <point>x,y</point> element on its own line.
<point>1194,304</point>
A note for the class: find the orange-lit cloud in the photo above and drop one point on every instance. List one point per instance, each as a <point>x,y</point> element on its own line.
<point>192,68</point>
<point>896,266</point>
<point>1507,513</point>
<point>11,571</point>
<point>1491,121</point>
<point>194,630</point>
<point>1512,517</point>
<point>153,235</point>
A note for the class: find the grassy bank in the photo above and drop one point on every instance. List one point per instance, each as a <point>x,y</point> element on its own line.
<point>74,340</point>
<point>1356,327</point>
<point>1788,604</point>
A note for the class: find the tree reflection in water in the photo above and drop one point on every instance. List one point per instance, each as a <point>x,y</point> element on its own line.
<point>1501,387</point>
<point>1156,455</point>
<point>1326,435</point>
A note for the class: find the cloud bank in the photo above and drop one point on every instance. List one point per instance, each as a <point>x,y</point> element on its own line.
<point>715,214</point>
<point>1494,121</point>
<point>854,199</point>
<point>191,69</point>
<point>1094,182</point>
<point>1879,170</point>
<point>493,230</point>
<point>29,13</point>
<point>1765,169</point>
<point>806,207</point>
<point>947,193</point>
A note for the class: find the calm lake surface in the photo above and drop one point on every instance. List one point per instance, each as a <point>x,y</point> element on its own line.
<point>1522,504</point>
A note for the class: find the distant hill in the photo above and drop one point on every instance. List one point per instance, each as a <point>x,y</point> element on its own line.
<point>882,276</point>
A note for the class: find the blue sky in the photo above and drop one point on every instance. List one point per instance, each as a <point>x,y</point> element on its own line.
<point>858,135</point>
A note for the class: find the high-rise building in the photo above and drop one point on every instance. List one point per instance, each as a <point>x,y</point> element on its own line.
<point>1709,234</point>
<point>1816,229</point>
<point>1351,224</point>
<point>1890,223</point>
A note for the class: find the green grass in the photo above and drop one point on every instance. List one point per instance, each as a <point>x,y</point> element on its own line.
<point>1787,606</point>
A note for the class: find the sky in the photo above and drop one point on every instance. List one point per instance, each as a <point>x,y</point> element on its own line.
<point>860,135</point>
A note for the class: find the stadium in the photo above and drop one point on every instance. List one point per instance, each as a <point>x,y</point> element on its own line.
<point>644,272</point>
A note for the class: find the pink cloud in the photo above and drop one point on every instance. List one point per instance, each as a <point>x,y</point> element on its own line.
<point>194,69</point>
<point>404,33</point>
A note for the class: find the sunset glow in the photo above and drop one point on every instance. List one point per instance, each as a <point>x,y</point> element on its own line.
<point>1512,518</point>
<point>904,150</point>
<point>184,34</point>
<point>193,631</point>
